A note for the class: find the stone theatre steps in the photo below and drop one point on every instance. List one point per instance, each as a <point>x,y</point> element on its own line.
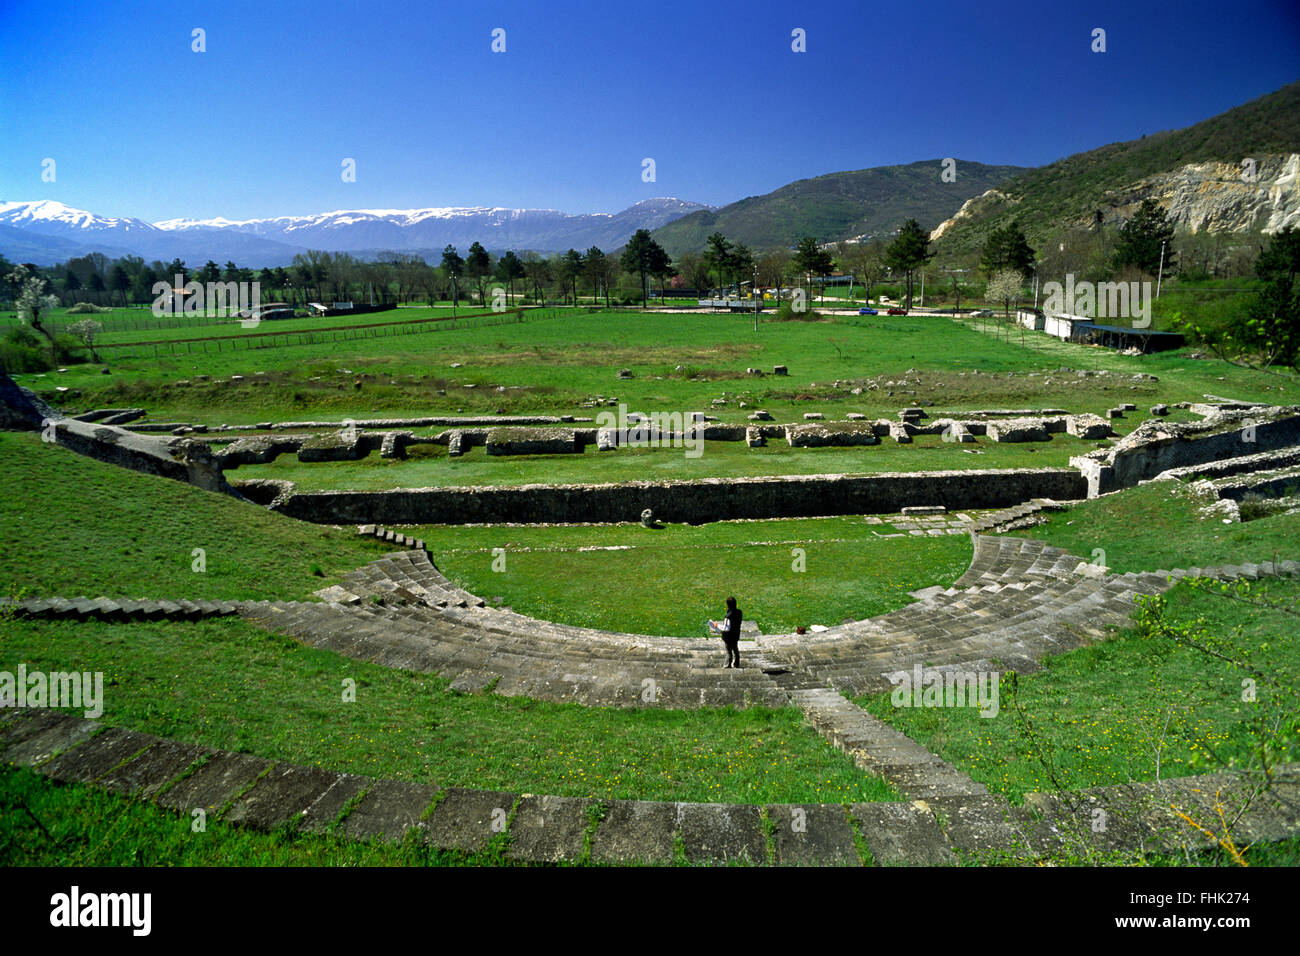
<point>945,828</point>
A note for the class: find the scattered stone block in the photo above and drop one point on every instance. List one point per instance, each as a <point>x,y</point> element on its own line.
<point>780,370</point>
<point>532,441</point>
<point>342,445</point>
<point>836,434</point>
<point>1161,410</point>
<point>898,431</point>
<point>760,416</point>
<point>1090,427</point>
<point>1018,430</point>
<point>1114,413</point>
<point>813,416</point>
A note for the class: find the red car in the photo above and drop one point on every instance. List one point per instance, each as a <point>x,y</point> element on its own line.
<point>896,312</point>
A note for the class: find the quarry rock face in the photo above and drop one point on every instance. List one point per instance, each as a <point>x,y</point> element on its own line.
<point>1214,196</point>
<point>1210,196</point>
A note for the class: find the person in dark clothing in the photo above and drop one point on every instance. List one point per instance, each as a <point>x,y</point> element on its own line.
<point>731,633</point>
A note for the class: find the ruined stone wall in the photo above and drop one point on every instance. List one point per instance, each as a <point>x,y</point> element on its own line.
<point>688,501</point>
<point>1155,447</point>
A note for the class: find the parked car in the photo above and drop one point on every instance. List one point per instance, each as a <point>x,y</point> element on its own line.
<point>982,313</point>
<point>867,311</point>
<point>896,312</point>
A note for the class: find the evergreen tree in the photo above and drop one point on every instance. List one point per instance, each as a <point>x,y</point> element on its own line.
<point>908,252</point>
<point>1141,238</point>
<point>645,256</point>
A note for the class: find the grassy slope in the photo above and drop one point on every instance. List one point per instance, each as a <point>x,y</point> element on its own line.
<point>670,580</point>
<point>1156,526</point>
<point>1099,714</point>
<point>229,685</point>
<point>71,525</point>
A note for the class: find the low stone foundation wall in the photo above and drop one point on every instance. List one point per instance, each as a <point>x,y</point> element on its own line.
<point>694,502</point>
<point>181,459</point>
<point>1158,446</point>
<point>832,434</point>
<point>532,441</point>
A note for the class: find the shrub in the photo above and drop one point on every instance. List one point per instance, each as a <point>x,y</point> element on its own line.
<point>22,350</point>
<point>87,308</point>
<point>786,313</point>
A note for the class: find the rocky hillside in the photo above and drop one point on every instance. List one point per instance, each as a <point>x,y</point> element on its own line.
<point>1195,173</point>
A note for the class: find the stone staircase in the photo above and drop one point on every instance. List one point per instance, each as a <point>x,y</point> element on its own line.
<point>881,750</point>
<point>1021,516</point>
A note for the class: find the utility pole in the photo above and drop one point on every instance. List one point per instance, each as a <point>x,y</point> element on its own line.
<point>1161,274</point>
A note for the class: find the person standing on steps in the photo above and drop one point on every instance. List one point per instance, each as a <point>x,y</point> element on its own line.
<point>729,628</point>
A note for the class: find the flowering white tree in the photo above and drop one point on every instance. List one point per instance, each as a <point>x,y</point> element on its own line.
<point>86,330</point>
<point>1005,286</point>
<point>31,301</point>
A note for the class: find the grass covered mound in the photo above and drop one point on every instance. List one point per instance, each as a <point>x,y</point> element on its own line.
<point>71,525</point>
<point>1157,525</point>
<point>1134,706</point>
<point>784,573</point>
<point>229,685</point>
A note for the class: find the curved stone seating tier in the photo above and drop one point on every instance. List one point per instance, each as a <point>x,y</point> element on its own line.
<point>1019,600</point>
<point>266,795</point>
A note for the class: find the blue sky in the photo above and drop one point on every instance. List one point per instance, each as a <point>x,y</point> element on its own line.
<point>259,124</point>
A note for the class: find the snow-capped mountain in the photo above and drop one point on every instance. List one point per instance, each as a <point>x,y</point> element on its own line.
<point>35,225</point>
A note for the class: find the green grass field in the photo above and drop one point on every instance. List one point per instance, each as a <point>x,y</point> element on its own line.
<point>552,365</point>
<point>670,580</point>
